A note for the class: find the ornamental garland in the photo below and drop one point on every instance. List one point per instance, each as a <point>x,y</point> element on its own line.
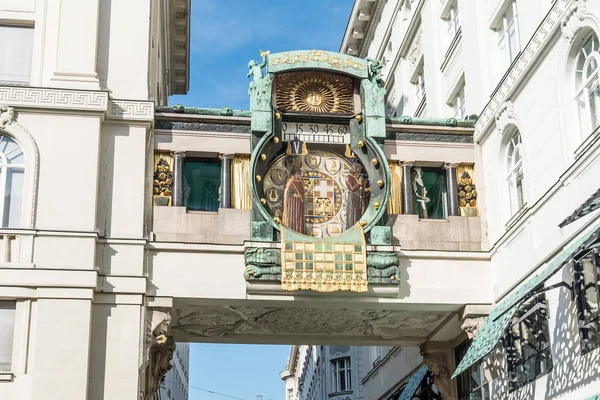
<point>467,195</point>
<point>163,179</point>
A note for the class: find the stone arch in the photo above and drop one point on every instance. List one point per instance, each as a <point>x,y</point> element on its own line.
<point>508,125</point>
<point>576,28</point>
<point>32,162</point>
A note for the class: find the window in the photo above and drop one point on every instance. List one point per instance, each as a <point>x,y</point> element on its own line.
<point>453,20</point>
<point>342,379</point>
<point>527,342</point>
<point>202,181</point>
<point>514,163</point>
<point>7,330</point>
<point>587,275</point>
<point>471,383</point>
<point>459,106</point>
<point>429,192</point>
<point>16,41</point>
<point>508,34</point>
<point>12,172</point>
<point>290,394</point>
<point>419,83</point>
<point>587,93</point>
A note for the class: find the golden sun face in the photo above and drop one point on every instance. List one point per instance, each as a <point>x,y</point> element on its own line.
<point>312,92</point>
<point>314,99</point>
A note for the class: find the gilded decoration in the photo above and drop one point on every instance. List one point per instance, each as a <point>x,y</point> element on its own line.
<point>163,179</point>
<point>336,61</point>
<point>325,192</point>
<point>314,92</point>
<point>467,193</point>
<point>324,265</point>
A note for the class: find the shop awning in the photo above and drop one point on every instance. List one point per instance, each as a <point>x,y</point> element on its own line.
<point>591,204</point>
<point>499,319</point>
<point>413,384</point>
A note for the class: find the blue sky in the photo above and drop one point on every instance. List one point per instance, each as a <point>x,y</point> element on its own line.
<point>241,371</point>
<point>225,35</point>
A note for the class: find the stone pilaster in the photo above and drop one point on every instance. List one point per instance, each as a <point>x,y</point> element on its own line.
<point>76,64</point>
<point>452,187</point>
<point>407,191</point>
<point>225,180</point>
<point>438,363</point>
<point>178,158</point>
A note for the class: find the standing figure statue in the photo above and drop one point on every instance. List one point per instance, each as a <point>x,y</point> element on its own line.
<point>420,191</point>
<point>256,69</point>
<point>293,199</point>
<point>357,196</point>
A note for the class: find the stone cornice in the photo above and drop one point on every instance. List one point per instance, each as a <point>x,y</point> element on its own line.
<point>66,99</point>
<point>524,63</point>
<point>76,100</point>
<point>370,29</point>
<point>131,110</point>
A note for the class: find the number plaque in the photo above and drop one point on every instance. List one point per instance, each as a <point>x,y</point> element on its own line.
<point>315,133</point>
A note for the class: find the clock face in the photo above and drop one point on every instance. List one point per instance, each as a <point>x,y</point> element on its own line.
<point>323,174</point>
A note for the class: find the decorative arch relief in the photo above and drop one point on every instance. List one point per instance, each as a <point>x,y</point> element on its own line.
<point>572,22</point>
<point>505,116</point>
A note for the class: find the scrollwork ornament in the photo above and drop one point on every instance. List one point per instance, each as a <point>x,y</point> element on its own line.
<point>573,20</point>
<point>472,326</point>
<point>505,116</point>
<point>7,116</point>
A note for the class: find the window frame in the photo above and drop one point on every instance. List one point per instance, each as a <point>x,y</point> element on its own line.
<point>10,305</point>
<point>459,353</point>
<point>515,176</point>
<point>346,369</point>
<point>539,306</point>
<point>207,160</point>
<point>503,29</point>
<point>6,193</point>
<point>453,20</point>
<point>584,316</point>
<point>587,84</point>
<point>459,105</point>
<point>21,25</point>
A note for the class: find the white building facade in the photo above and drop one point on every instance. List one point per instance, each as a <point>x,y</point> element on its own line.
<point>528,70</point>
<point>78,85</point>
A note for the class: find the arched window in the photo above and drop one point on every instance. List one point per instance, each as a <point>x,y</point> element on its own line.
<point>587,85</point>
<point>514,166</point>
<point>12,173</point>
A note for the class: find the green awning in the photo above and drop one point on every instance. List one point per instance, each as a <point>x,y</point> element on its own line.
<point>413,384</point>
<point>499,319</point>
<point>588,206</point>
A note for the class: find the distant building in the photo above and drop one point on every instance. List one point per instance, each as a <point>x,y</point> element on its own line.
<point>324,372</point>
<point>175,384</point>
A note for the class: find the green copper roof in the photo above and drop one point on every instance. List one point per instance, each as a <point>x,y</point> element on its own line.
<point>321,59</point>
<point>451,122</point>
<point>404,120</point>
<point>413,384</point>
<point>596,397</point>
<point>225,111</point>
<point>500,317</point>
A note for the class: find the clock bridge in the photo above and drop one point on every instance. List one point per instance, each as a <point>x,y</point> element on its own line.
<point>334,222</point>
